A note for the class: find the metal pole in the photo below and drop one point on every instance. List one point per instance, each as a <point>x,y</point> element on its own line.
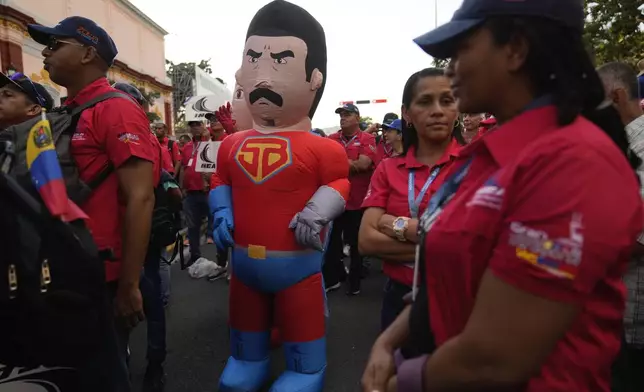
<point>435,13</point>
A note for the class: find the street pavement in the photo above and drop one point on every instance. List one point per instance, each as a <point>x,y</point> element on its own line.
<point>198,338</point>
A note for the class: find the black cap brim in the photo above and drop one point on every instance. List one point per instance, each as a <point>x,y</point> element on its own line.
<point>4,80</point>
<point>439,43</point>
<point>43,34</point>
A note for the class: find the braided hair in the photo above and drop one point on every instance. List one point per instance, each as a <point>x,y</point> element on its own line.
<point>559,65</point>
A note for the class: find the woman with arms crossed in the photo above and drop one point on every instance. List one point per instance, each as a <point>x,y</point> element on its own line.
<point>402,185</point>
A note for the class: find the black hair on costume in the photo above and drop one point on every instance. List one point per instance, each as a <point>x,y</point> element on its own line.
<point>280,18</point>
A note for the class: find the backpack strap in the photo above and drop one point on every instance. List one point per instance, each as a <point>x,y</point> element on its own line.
<point>170,146</point>
<point>76,111</point>
<point>108,169</point>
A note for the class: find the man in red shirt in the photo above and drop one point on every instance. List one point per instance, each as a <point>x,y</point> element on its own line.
<point>112,134</point>
<point>161,131</point>
<point>361,152</point>
<point>196,187</point>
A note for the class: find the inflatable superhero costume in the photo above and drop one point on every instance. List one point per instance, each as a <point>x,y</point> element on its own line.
<point>276,190</point>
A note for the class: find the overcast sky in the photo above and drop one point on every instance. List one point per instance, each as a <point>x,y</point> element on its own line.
<point>369,43</point>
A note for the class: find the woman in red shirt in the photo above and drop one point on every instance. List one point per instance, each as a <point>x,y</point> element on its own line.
<point>525,244</point>
<point>402,185</point>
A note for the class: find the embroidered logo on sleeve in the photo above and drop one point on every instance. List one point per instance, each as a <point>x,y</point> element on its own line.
<point>127,137</point>
<point>372,148</point>
<point>490,195</point>
<point>560,257</point>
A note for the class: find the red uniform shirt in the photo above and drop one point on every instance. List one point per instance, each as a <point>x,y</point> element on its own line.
<point>554,212</point>
<point>383,151</point>
<point>389,191</point>
<point>166,159</point>
<point>361,143</point>
<point>174,155</point>
<point>192,180</point>
<point>112,131</point>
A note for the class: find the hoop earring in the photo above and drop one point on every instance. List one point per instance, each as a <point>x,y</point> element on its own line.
<point>410,125</point>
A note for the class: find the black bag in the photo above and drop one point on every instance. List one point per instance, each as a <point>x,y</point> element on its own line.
<point>53,304</point>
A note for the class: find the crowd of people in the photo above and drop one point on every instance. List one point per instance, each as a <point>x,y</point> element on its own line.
<point>505,203</point>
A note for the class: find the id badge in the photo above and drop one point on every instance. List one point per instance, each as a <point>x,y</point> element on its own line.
<point>190,162</point>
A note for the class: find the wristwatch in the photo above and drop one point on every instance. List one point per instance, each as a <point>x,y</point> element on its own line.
<point>400,226</point>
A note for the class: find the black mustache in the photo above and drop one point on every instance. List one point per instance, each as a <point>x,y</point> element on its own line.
<point>267,94</point>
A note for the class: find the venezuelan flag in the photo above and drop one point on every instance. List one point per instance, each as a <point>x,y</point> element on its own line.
<point>46,174</point>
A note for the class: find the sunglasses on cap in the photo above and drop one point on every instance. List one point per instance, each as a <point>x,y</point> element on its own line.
<point>54,44</point>
<point>28,87</point>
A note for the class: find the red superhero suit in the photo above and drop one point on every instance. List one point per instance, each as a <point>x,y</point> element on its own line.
<point>277,189</point>
<point>270,179</point>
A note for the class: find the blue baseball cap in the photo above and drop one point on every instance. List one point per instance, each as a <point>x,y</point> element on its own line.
<point>395,125</point>
<point>84,30</point>
<point>348,107</point>
<point>36,92</point>
<point>440,42</point>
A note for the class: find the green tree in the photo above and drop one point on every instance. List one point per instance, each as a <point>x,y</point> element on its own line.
<point>366,119</point>
<point>182,76</point>
<point>614,30</point>
<point>439,63</point>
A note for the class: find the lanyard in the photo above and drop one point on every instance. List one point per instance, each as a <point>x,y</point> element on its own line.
<point>195,149</point>
<point>347,144</point>
<point>389,150</point>
<point>414,201</point>
<point>436,203</point>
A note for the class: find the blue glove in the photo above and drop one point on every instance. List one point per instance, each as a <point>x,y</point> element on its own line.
<point>222,229</point>
<point>221,208</point>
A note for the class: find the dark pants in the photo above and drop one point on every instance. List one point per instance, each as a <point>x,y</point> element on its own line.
<point>392,302</point>
<point>222,257</point>
<point>153,308</point>
<point>119,368</point>
<point>195,207</point>
<point>628,370</point>
<point>346,227</point>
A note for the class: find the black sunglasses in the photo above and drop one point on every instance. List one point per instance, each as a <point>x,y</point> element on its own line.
<point>33,93</point>
<point>55,44</point>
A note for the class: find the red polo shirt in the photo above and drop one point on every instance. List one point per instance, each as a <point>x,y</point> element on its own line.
<point>112,131</point>
<point>383,151</point>
<point>174,155</point>
<point>389,191</point>
<point>192,180</point>
<point>554,212</point>
<point>361,143</point>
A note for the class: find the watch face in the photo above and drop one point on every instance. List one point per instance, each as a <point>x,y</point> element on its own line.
<point>399,224</point>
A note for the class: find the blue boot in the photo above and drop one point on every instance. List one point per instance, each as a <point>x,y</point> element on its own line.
<point>305,367</point>
<point>244,376</point>
<point>248,367</point>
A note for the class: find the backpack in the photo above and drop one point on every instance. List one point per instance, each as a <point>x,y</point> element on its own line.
<point>54,310</point>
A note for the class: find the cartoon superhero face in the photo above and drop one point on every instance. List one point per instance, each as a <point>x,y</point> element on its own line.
<point>240,113</point>
<point>274,81</point>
